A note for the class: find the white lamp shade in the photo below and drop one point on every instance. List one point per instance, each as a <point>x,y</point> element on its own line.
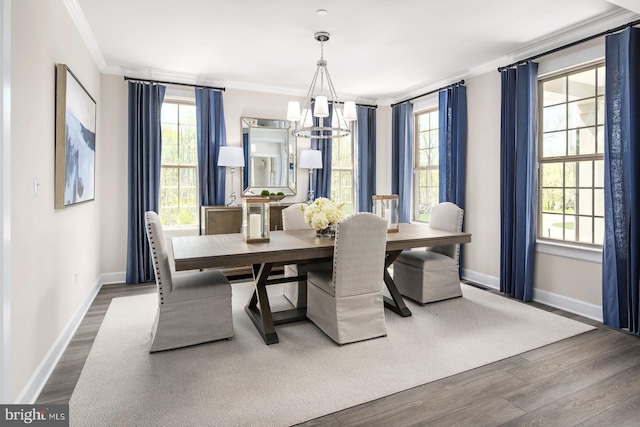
<point>337,119</point>
<point>306,119</point>
<point>321,107</point>
<point>231,156</point>
<point>310,159</point>
<point>293,111</point>
<point>350,114</point>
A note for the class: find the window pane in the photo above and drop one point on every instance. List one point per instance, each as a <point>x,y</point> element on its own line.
<point>601,80</point>
<point>433,120</point>
<point>554,91</point>
<point>433,139</point>
<point>570,200</point>
<point>187,114</point>
<point>423,140</point>
<point>551,200</point>
<point>551,226</point>
<point>598,203</point>
<point>585,174</point>
<point>570,174</point>
<point>552,175</point>
<point>569,228</point>
<point>582,141</point>
<point>554,144</point>
<point>601,110</point>
<point>169,113</point>
<point>585,202</point>
<point>600,139</point>
<point>598,231</point>
<point>599,173</point>
<point>423,122</point>
<point>582,113</point>
<point>554,118</point>
<point>585,230</point>
<point>582,85</point>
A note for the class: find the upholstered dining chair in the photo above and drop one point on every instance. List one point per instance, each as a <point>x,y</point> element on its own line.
<point>432,275</point>
<point>296,292</point>
<point>193,307</point>
<point>346,302</point>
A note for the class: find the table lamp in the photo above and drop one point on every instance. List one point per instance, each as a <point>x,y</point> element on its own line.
<point>232,157</point>
<point>310,159</point>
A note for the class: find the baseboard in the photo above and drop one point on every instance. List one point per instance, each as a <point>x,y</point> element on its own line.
<point>41,375</point>
<point>581,308</point>
<point>481,279</point>
<point>112,278</point>
<point>584,309</point>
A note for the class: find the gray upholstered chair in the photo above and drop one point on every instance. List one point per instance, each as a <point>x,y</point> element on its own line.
<point>193,307</point>
<point>432,275</point>
<point>296,292</point>
<point>346,302</point>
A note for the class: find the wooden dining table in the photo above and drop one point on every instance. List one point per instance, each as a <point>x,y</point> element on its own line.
<point>292,247</point>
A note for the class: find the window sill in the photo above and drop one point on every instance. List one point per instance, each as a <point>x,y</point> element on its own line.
<point>581,253</point>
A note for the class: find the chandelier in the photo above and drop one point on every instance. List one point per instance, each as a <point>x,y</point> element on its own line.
<point>322,99</point>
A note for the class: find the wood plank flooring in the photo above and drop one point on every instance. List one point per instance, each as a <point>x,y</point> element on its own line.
<point>592,379</point>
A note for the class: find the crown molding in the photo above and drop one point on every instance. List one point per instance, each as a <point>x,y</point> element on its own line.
<point>560,38</point>
<point>78,18</point>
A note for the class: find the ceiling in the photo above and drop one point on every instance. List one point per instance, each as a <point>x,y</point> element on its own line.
<point>380,50</point>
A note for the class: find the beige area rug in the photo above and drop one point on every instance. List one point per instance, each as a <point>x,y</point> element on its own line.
<point>244,382</point>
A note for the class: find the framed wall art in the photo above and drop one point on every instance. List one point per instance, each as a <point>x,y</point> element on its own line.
<point>75,140</point>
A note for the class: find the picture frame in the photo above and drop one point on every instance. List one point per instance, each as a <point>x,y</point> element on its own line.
<point>75,137</point>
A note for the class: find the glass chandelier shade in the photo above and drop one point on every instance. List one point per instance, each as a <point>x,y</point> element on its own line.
<point>321,103</point>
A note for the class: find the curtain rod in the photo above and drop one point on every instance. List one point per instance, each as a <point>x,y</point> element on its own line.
<point>461,82</point>
<point>173,83</point>
<point>557,49</point>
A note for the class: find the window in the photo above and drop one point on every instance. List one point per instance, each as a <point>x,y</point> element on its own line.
<point>571,156</point>
<point>342,172</point>
<point>425,177</point>
<point>178,174</point>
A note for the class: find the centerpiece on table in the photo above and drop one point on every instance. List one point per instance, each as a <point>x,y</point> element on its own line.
<point>323,215</point>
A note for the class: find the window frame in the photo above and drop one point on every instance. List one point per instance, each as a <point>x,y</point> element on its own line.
<point>416,157</point>
<point>569,158</point>
<point>351,137</point>
<point>177,166</point>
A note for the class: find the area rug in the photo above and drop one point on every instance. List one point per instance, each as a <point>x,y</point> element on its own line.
<point>243,382</point>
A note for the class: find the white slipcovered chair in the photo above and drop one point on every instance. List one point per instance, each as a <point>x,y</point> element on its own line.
<point>346,302</point>
<point>432,275</point>
<point>193,307</point>
<point>296,292</point>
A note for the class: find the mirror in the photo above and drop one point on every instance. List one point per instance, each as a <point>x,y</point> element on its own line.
<point>269,157</point>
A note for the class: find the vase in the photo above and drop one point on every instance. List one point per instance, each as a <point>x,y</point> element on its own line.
<point>328,232</point>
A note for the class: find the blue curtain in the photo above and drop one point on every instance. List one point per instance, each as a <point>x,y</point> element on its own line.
<point>365,158</point>
<point>452,152</point>
<point>245,150</point>
<point>518,180</point>
<point>322,177</point>
<point>621,248</point>
<point>402,157</point>
<point>211,135</point>
<point>145,148</point>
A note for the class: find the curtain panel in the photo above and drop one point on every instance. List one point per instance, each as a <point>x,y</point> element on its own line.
<point>518,180</point>
<point>452,162</point>
<point>621,247</point>
<point>402,157</point>
<point>365,158</point>
<point>145,148</point>
<point>211,135</point>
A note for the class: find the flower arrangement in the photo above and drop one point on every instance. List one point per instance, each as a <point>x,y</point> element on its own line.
<point>323,215</point>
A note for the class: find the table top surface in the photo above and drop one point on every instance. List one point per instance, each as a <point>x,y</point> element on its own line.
<point>230,250</point>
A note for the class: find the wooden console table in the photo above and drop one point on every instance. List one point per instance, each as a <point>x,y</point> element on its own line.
<point>228,219</point>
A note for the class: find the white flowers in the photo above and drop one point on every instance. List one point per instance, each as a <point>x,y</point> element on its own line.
<point>322,213</point>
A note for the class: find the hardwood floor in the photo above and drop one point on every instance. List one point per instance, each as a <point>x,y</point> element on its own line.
<point>591,379</point>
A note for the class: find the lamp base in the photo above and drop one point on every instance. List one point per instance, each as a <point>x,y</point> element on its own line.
<point>232,200</point>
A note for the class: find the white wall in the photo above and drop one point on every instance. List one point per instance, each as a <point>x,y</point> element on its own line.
<point>49,247</point>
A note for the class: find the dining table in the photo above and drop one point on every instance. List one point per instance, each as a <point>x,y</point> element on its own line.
<point>221,251</point>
